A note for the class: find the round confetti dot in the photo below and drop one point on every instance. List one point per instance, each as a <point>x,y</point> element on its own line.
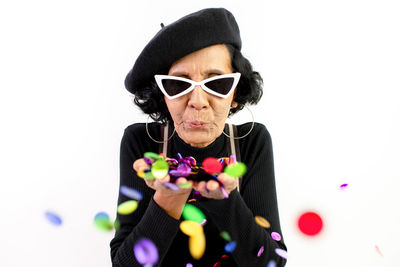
<point>262,222</point>
<point>271,263</point>
<point>310,223</point>
<point>282,253</point>
<point>102,222</point>
<point>127,207</point>
<point>276,236</point>
<point>237,169</point>
<point>212,165</point>
<point>260,251</point>
<point>225,235</point>
<point>189,264</point>
<point>191,228</point>
<point>197,245</point>
<point>230,247</point>
<point>131,193</point>
<point>160,168</point>
<point>146,252</point>
<point>193,213</point>
<point>53,218</point>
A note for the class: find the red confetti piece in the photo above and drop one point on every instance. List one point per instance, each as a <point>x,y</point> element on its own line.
<point>378,250</point>
<point>310,223</point>
<point>212,165</point>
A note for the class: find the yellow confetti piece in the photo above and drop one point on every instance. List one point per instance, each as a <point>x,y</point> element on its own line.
<point>197,246</point>
<point>191,228</point>
<point>262,222</point>
<point>140,174</point>
<point>127,207</point>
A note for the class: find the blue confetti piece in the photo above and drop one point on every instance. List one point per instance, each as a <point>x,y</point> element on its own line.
<point>230,247</point>
<point>53,218</point>
<point>131,193</point>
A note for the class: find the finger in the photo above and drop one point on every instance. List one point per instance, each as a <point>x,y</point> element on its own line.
<point>201,186</point>
<point>140,165</point>
<point>212,185</point>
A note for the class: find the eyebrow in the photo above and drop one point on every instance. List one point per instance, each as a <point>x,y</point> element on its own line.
<point>208,72</point>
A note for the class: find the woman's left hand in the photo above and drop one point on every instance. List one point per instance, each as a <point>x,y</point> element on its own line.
<point>212,189</point>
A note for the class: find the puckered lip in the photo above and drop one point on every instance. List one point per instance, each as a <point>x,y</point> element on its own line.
<point>197,124</point>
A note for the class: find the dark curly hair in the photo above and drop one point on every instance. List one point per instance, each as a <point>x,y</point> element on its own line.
<point>249,90</point>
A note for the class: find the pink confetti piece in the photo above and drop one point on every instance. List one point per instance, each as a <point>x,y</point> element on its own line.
<point>378,250</point>
<point>226,195</point>
<point>276,236</point>
<point>260,251</point>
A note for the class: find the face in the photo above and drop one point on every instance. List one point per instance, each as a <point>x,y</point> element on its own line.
<point>198,116</point>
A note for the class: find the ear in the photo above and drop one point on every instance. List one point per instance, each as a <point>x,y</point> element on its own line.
<point>234,104</point>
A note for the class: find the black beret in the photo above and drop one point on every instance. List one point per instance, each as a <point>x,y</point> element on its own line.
<point>193,32</point>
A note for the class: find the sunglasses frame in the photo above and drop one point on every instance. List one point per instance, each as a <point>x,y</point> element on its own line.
<point>193,84</point>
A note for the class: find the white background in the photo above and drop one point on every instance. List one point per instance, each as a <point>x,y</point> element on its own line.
<point>331,103</point>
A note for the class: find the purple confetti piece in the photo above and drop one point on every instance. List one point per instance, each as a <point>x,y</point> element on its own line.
<point>276,236</point>
<point>281,252</point>
<point>226,195</point>
<point>131,193</point>
<point>343,186</point>
<point>171,186</point>
<point>189,264</point>
<point>271,263</point>
<point>146,252</point>
<point>203,222</point>
<point>260,251</point>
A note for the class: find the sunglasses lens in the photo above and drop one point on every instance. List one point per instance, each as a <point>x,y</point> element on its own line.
<point>174,87</point>
<point>221,86</point>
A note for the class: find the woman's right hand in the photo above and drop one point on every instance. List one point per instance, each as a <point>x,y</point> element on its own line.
<point>171,201</point>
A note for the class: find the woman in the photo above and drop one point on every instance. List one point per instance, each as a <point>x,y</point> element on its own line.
<point>191,76</point>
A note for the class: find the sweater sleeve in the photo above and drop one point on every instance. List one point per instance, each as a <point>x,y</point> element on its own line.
<point>258,197</point>
<point>149,220</point>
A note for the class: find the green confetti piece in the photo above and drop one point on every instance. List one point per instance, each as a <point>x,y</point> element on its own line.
<point>102,222</point>
<point>185,185</point>
<point>237,169</point>
<point>225,235</point>
<point>127,207</point>
<point>160,168</point>
<point>149,176</point>
<point>152,155</point>
<point>192,213</point>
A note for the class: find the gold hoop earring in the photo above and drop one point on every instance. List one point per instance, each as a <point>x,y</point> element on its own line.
<point>160,142</point>
<point>251,128</point>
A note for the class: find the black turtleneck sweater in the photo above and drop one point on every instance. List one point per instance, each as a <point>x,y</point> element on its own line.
<point>234,215</point>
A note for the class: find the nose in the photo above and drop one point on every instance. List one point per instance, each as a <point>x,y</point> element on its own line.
<point>198,98</point>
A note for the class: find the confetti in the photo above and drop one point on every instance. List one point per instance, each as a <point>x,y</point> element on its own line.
<point>183,170</point>
<point>212,165</point>
<point>189,264</point>
<point>281,252</point>
<point>276,236</point>
<point>271,263</point>
<point>191,228</point>
<point>131,193</point>
<point>102,222</point>
<point>127,207</point>
<point>53,218</point>
<point>343,186</point>
<point>171,186</point>
<point>152,155</point>
<point>378,250</point>
<point>160,168</point>
<point>146,252</point>
<point>262,222</point>
<point>230,247</point>
<point>236,169</point>
<point>193,213</point>
<point>260,251</point>
<point>197,245</point>
<point>225,235</point>
<point>310,223</point>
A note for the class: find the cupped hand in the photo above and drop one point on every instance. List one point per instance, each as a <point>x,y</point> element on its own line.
<point>214,190</point>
